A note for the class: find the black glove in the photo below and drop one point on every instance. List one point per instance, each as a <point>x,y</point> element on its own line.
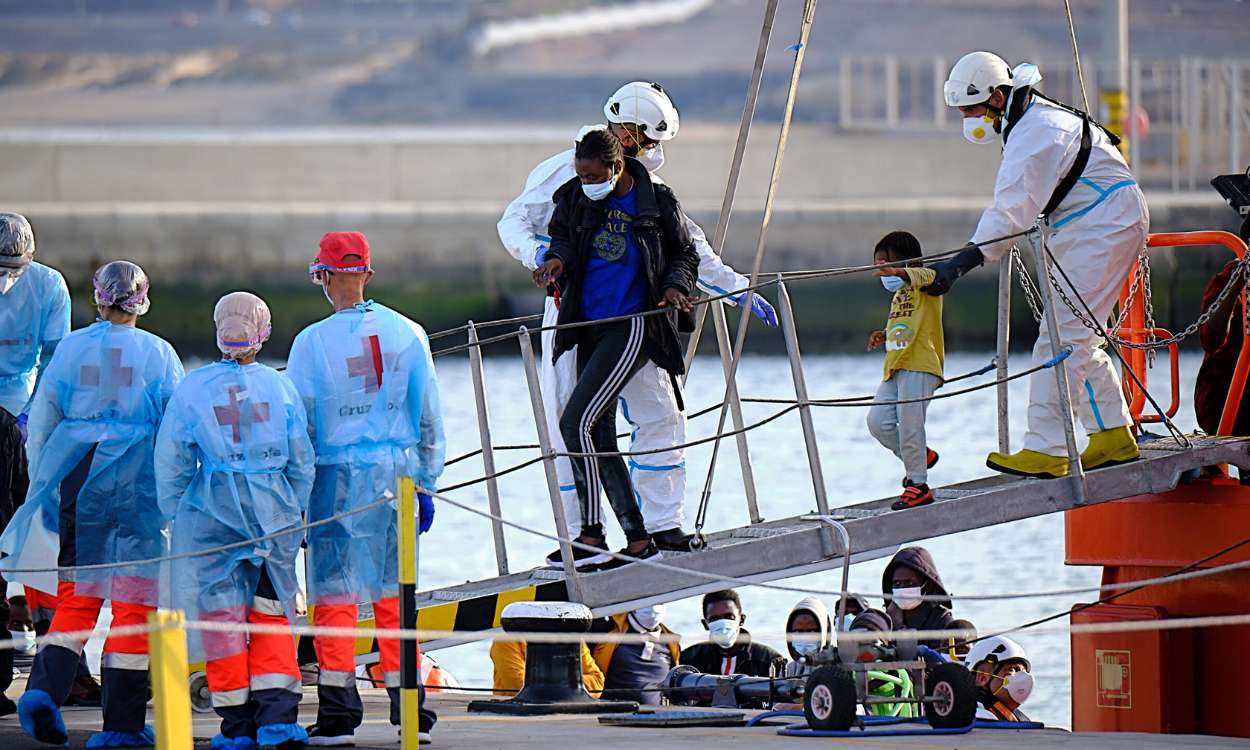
<point>948,271</point>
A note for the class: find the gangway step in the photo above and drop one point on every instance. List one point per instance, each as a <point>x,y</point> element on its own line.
<point>796,546</point>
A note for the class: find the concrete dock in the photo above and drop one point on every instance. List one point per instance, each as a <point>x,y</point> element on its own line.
<point>458,729</point>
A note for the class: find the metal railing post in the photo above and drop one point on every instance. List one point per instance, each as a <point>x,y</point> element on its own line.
<point>488,450</point>
<point>1037,240</point>
<point>735,412</point>
<point>1005,267</point>
<point>572,584</point>
<point>800,391</point>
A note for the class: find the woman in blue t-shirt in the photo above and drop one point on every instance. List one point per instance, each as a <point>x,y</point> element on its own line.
<point>619,247</point>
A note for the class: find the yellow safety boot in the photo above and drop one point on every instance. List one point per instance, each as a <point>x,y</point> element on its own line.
<point>1027,463</point>
<point>1110,447</point>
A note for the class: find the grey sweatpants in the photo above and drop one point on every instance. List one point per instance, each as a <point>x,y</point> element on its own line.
<point>900,427</point>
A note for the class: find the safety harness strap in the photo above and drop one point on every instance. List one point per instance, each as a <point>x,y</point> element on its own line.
<point>1078,168</point>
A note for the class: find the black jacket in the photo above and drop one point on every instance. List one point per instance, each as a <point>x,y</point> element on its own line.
<point>668,256</point>
<point>930,615</point>
<point>754,659</point>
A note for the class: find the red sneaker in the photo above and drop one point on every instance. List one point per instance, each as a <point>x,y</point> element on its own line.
<point>914,496</point>
<point>930,458</point>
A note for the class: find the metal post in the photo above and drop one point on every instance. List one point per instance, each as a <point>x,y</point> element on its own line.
<point>1234,114</point>
<point>735,412</point>
<point>939,100</point>
<point>572,584</point>
<point>1178,83</point>
<point>1134,105</point>
<point>488,450</point>
<point>409,671</point>
<point>1037,240</point>
<point>891,91</point>
<point>1005,267</point>
<point>846,114</point>
<point>800,392</point>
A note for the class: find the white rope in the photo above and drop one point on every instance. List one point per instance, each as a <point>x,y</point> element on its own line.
<point>1076,53</point>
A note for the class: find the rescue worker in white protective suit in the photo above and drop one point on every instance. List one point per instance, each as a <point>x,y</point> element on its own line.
<point>1099,226</point>
<point>643,117</point>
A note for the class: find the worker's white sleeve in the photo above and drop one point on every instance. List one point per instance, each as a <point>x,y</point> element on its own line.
<point>714,276</point>
<point>523,226</point>
<point>1033,164</point>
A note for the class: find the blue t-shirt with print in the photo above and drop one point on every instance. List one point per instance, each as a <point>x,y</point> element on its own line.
<point>615,282</point>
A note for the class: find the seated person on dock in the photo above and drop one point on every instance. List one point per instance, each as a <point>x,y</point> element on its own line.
<point>855,604</point>
<point>1002,671</point>
<point>893,683</point>
<point>633,670</point>
<point>1222,337</point>
<point>910,576</point>
<point>914,351</point>
<point>508,659</point>
<point>808,630</point>
<point>729,648</point>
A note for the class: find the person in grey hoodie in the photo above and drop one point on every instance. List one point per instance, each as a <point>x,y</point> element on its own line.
<point>809,629</point>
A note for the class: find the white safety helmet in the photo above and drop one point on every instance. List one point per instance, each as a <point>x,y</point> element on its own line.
<point>646,105</point>
<point>974,78</point>
<point>996,649</point>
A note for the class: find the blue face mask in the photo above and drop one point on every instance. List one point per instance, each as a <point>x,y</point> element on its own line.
<point>597,191</point>
<point>893,283</point>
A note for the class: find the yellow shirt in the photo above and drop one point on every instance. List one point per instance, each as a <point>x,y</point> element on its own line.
<point>508,659</point>
<point>913,333</point>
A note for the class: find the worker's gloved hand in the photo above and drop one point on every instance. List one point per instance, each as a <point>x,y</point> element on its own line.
<point>21,424</point>
<point>425,513</point>
<point>760,309</point>
<point>949,271</point>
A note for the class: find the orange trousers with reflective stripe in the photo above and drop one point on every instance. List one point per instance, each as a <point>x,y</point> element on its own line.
<point>266,654</point>
<point>75,613</point>
<point>338,653</point>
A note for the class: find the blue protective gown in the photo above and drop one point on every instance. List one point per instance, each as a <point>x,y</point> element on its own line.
<point>368,382</point>
<point>92,497</point>
<point>233,462</point>
<point>33,315</point>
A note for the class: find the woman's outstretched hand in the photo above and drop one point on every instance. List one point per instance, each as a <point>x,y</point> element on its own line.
<point>675,299</point>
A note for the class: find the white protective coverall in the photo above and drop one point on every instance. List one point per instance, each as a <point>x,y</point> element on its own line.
<point>648,402</point>
<point>1098,230</point>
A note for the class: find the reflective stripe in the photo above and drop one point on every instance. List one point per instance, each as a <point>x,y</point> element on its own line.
<point>267,606</point>
<point>568,487</point>
<point>275,682</point>
<point>229,698</point>
<point>1102,196</point>
<point>1089,391</point>
<point>669,467</point>
<point>114,660</point>
<point>390,679</point>
<point>75,646</point>
<point>336,679</point>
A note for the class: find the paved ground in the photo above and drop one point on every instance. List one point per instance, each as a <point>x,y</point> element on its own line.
<point>459,729</point>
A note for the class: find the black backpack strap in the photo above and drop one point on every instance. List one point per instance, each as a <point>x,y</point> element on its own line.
<point>1078,168</point>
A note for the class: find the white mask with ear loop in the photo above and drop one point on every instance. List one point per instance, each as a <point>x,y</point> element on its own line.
<point>908,598</point>
<point>979,130</point>
<point>597,191</point>
<point>1018,685</point>
<point>723,633</point>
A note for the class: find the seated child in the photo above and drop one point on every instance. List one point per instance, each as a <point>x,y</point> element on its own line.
<point>913,364</point>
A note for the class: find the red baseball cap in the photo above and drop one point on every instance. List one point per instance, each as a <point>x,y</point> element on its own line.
<point>335,246</point>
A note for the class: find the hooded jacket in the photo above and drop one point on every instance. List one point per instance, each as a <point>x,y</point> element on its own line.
<point>667,251</point>
<point>810,605</point>
<point>930,615</point>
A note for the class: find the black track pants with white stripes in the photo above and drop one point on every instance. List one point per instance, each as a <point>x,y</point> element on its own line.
<point>608,355</point>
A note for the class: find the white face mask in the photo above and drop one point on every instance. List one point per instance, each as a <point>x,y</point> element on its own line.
<point>979,130</point>
<point>806,648</point>
<point>1019,686</point>
<point>892,283</point>
<point>597,191</point>
<point>652,158</point>
<point>908,598</point>
<point>723,633</point>
<point>648,618</point>
<point>24,641</point>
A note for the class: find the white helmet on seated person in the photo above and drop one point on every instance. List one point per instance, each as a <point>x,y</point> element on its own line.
<point>973,79</point>
<point>996,649</point>
<point>644,104</point>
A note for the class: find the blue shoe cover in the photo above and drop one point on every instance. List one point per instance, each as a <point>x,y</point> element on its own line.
<point>286,736</point>
<point>222,742</point>
<point>146,738</point>
<point>41,717</point>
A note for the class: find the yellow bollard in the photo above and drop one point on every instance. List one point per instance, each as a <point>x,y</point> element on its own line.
<point>171,696</point>
<point>409,674</point>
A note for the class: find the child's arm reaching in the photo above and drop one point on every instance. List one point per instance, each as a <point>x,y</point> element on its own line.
<point>875,339</point>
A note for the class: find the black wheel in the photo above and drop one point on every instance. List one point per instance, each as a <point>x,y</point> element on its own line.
<point>829,699</point>
<point>956,696</point>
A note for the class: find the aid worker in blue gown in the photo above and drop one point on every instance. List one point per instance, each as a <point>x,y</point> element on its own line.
<point>92,501</point>
<point>367,379</point>
<point>233,463</point>
<point>34,314</point>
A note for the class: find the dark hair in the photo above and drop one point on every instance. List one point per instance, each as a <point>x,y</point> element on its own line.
<point>724,595</point>
<point>601,145</point>
<point>903,244</point>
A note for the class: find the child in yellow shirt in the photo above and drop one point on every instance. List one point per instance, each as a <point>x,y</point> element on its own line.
<point>913,364</point>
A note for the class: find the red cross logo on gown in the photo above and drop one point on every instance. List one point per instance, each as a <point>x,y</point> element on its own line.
<point>109,380</point>
<point>369,364</point>
<point>239,412</point>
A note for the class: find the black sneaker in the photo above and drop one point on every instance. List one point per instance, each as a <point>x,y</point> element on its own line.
<point>582,557</point>
<point>625,557</point>
<point>7,706</point>
<point>674,540</point>
<point>330,736</point>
